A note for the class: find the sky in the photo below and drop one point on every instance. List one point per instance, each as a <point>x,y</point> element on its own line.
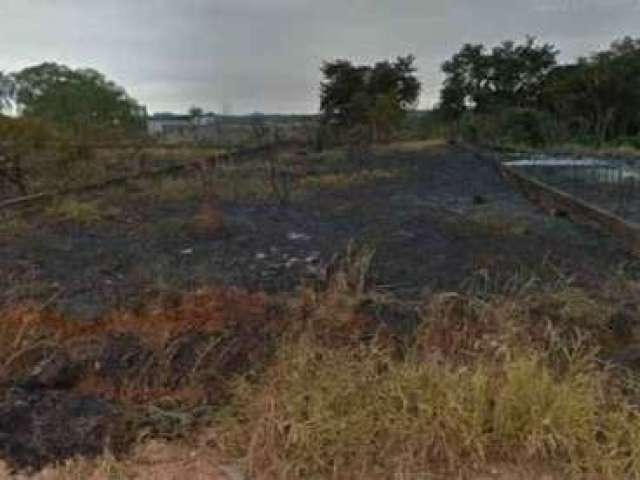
<point>244,56</point>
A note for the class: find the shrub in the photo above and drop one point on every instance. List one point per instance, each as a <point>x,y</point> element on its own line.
<point>21,142</point>
<point>519,127</point>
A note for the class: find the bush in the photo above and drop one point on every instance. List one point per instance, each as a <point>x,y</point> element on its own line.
<point>524,127</point>
<point>528,127</point>
<point>21,142</point>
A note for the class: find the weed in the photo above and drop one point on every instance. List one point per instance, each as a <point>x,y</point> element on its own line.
<point>84,212</point>
<point>210,217</point>
<point>13,225</point>
<point>434,145</point>
<point>497,224</point>
<point>281,179</point>
<point>170,189</point>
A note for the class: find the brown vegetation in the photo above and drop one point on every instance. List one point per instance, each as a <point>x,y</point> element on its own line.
<point>321,386</point>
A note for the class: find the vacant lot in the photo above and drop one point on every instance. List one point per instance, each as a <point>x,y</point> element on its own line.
<point>294,315</point>
<point>435,215</point>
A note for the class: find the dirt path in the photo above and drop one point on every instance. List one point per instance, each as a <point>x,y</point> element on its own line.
<point>445,216</point>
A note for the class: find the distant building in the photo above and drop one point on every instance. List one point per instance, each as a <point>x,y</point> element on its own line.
<point>171,124</point>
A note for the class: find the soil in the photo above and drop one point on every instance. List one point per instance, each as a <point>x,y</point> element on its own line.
<point>447,217</point>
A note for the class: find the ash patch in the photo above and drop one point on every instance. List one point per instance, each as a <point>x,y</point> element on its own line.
<point>38,427</point>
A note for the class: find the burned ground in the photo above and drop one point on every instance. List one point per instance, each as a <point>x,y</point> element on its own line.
<point>435,217</point>
<point>111,346</point>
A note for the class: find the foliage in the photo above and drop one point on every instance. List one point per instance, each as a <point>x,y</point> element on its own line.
<point>511,126</point>
<point>600,95</point>
<point>376,96</point>
<point>80,100</point>
<point>510,75</point>
<point>520,94</point>
<point>82,212</point>
<point>195,111</point>
<point>20,140</point>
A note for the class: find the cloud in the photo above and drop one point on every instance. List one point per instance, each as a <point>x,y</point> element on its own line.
<point>265,54</point>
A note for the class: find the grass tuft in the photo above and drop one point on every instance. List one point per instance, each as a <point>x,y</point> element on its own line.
<point>83,212</point>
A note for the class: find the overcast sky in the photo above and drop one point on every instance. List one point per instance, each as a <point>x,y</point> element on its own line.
<point>264,55</point>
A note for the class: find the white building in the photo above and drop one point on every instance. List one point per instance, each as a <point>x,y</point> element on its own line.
<point>170,124</point>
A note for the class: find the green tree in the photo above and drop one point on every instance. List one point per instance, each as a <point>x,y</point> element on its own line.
<point>195,111</point>
<point>79,99</point>
<point>510,75</point>
<point>599,96</point>
<point>376,96</point>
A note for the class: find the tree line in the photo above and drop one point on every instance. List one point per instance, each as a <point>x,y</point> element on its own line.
<point>518,91</point>
<point>522,87</point>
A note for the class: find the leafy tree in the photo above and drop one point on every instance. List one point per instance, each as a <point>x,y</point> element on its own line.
<point>599,96</point>
<point>195,111</point>
<point>76,99</point>
<point>376,96</point>
<point>510,75</point>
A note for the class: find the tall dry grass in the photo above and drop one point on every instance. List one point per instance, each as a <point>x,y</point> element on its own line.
<point>316,386</point>
<point>502,381</point>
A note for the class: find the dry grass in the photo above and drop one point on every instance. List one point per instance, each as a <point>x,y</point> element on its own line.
<point>345,180</point>
<point>497,224</point>
<point>506,381</point>
<point>434,145</point>
<point>169,189</point>
<point>13,224</point>
<point>210,217</point>
<point>83,212</point>
<point>362,413</point>
<point>181,350</point>
<point>153,460</point>
<point>485,387</point>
